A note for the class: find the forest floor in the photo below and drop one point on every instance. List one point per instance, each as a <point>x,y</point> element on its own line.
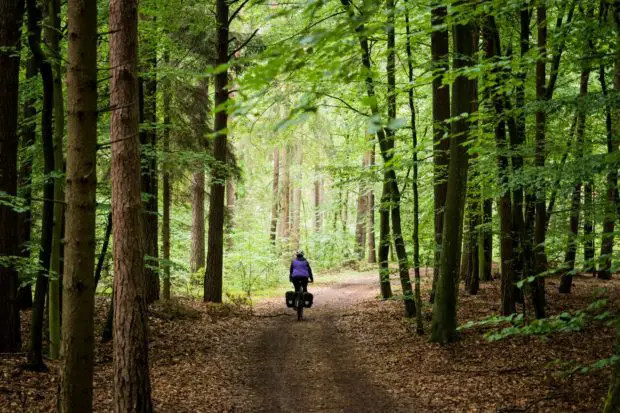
<point>353,353</point>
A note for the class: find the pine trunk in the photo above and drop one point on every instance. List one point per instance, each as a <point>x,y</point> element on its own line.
<point>165,231</point>
<point>132,385</point>
<point>76,389</point>
<point>11,12</point>
<point>215,258</point>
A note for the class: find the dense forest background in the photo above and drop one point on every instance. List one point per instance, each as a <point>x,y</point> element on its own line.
<point>188,148</point>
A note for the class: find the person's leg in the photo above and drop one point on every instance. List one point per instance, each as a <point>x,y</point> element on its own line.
<point>304,284</point>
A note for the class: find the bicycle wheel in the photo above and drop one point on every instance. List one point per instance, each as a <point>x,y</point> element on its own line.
<point>300,306</point>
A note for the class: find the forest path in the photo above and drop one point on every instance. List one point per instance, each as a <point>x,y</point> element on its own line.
<point>310,365</point>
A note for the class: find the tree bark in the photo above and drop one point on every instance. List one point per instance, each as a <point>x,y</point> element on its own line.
<point>213,273</point>
<point>275,196</point>
<point>285,197</point>
<point>197,256</point>
<point>132,385</point>
<point>11,12</point>
<point>165,231</point>
<point>540,258</point>
<point>361,216</point>
<point>566,280</point>
<point>441,113</point>
<point>76,389</point>
<point>414,183</point>
<point>35,355</point>
<point>318,216</point>
<point>372,249</point>
<point>52,36</point>
<point>24,187</point>
<point>443,327</point>
<point>612,120</point>
<point>104,250</point>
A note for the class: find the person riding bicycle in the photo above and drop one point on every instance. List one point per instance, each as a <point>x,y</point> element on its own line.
<point>300,271</point>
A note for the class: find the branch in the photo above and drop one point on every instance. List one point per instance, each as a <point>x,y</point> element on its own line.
<point>345,103</point>
<point>245,43</point>
<point>236,12</point>
<point>555,63</point>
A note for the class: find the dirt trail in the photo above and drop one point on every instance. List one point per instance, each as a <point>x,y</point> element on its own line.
<point>309,365</point>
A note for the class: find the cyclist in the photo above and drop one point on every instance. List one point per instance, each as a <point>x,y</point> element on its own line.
<point>300,271</point>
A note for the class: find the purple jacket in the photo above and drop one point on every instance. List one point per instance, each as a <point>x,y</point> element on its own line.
<point>300,268</point>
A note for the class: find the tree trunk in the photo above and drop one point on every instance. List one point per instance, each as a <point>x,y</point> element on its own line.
<point>35,355</point>
<point>485,242</point>
<point>11,12</point>
<point>76,389</point>
<point>148,140</point>
<point>213,274</point>
<point>441,113</point>
<point>230,209</point>
<point>132,385</point>
<point>540,258</point>
<point>24,187</point>
<point>414,183</point>
<point>318,222</point>
<point>165,231</point>
<point>197,256</point>
<point>443,327</point>
<point>52,36</point>
<point>296,216</point>
<point>390,175</point>
<point>566,281</point>
<point>372,249</point>
<point>285,196</point>
<point>384,243</point>
<point>472,276</point>
<point>361,216</point>
<point>275,196</point>
<point>612,116</point>
<point>104,251</point>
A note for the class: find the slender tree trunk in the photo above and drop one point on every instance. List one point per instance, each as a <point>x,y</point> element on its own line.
<point>285,196</point>
<point>275,195</point>
<point>296,197</point>
<point>104,251</point>
<point>443,327</point>
<point>132,385</point>
<point>384,243</point>
<point>390,175</point>
<point>441,113</point>
<point>35,355</point>
<point>612,120</point>
<point>612,402</point>
<point>414,184</point>
<point>540,258</point>
<point>165,231</point>
<point>76,390</point>
<point>148,140</point>
<point>318,222</point>
<point>213,274</point>
<point>24,187</point>
<point>566,281</point>
<point>361,216</point>
<point>11,12</point>
<point>372,249</point>
<point>52,36</point>
<point>485,242</point>
<point>507,251</point>
<point>230,209</point>
<point>197,256</point>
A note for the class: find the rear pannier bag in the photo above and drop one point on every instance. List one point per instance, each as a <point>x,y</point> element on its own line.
<point>290,299</point>
<point>308,298</point>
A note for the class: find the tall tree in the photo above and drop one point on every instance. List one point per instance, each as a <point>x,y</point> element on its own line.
<point>76,390</point>
<point>284,220</point>
<point>11,12</point>
<point>132,385</point>
<point>215,258</point>
<point>361,216</point>
<point>372,250</point>
<point>443,327</point>
<point>52,38</point>
<point>197,255</point>
<point>165,230</point>
<point>441,113</point>
<point>35,354</point>
<point>275,204</point>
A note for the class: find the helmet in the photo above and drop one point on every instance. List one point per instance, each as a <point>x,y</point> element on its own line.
<point>299,253</point>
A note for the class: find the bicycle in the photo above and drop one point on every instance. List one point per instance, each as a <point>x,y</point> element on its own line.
<point>299,302</point>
